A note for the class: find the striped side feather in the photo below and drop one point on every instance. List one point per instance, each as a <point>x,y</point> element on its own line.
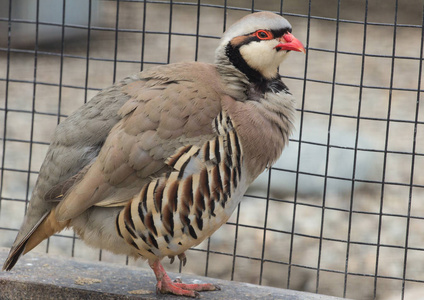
<point>183,207</point>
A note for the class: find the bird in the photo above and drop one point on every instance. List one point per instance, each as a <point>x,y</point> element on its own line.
<point>157,162</point>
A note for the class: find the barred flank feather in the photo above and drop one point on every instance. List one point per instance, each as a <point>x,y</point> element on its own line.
<point>178,211</point>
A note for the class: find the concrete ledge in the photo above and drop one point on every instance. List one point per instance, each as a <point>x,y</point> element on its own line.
<point>40,276</point>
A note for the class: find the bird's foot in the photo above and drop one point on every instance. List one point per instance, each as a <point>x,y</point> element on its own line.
<point>166,286</point>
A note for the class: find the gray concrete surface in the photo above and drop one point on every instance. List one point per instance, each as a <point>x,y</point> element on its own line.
<point>42,276</point>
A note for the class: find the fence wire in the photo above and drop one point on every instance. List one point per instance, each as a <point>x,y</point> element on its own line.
<point>339,214</point>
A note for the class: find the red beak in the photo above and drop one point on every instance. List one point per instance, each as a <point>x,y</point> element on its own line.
<point>289,42</point>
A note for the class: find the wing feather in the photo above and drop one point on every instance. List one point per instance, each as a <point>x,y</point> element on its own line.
<point>175,113</point>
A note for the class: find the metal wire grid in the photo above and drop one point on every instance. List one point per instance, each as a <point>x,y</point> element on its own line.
<point>295,202</point>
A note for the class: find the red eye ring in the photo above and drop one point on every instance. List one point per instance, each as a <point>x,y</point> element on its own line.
<point>264,35</point>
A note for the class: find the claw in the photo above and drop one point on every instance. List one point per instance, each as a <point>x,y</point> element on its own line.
<point>172,259</point>
<point>182,257</point>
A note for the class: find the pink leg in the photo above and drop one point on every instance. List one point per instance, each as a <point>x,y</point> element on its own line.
<point>166,286</point>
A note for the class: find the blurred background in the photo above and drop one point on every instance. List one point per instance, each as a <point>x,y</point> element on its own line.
<point>341,213</point>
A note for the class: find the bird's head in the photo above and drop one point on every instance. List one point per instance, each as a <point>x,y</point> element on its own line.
<point>257,44</point>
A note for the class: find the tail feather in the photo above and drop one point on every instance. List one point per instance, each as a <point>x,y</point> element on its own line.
<point>13,257</point>
<point>45,227</point>
<point>19,247</point>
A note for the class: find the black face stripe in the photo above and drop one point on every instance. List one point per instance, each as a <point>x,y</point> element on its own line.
<point>232,51</point>
<point>235,57</point>
<point>276,33</point>
<point>251,37</point>
<point>280,32</point>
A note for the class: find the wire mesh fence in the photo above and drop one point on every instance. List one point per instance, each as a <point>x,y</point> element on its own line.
<point>340,213</point>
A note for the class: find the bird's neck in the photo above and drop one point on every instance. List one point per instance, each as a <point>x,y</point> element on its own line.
<point>263,126</point>
<point>241,77</point>
<point>262,108</point>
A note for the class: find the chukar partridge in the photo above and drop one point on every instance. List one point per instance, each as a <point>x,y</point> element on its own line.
<point>156,163</point>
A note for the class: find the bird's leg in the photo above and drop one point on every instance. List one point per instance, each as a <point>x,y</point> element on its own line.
<point>166,286</point>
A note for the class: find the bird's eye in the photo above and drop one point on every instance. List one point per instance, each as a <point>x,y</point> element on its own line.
<point>263,35</point>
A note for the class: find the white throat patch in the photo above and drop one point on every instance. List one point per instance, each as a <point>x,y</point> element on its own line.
<point>262,57</point>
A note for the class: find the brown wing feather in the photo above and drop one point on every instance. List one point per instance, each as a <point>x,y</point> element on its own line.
<point>174,113</point>
<point>75,144</point>
<point>135,150</point>
<point>58,192</point>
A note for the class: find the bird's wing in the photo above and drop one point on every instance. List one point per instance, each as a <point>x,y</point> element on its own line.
<point>75,144</point>
<point>104,152</point>
<point>167,110</point>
